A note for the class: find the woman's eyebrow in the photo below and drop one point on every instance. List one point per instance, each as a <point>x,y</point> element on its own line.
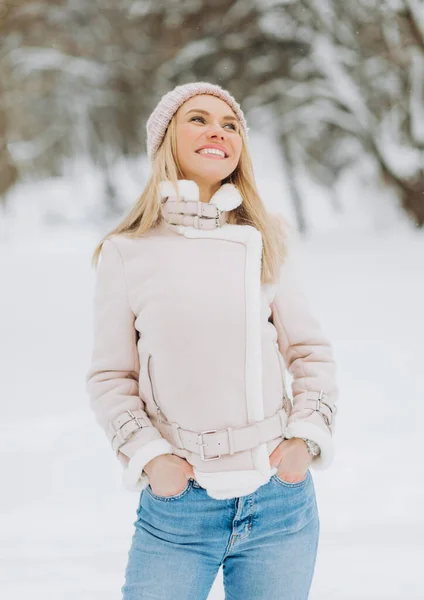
<point>205,112</point>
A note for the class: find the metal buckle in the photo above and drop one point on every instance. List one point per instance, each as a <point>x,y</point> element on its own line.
<point>136,419</point>
<point>318,401</point>
<point>218,217</point>
<point>199,211</point>
<point>118,433</point>
<point>332,407</point>
<point>202,444</point>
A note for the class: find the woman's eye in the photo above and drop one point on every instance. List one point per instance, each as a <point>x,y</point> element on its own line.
<point>202,118</point>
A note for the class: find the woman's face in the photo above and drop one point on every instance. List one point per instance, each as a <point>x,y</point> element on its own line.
<point>207,121</point>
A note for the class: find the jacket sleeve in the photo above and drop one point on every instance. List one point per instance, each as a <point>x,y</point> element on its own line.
<point>112,377</point>
<point>309,358</point>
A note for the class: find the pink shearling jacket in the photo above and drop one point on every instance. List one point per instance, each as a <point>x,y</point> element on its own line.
<point>190,351</point>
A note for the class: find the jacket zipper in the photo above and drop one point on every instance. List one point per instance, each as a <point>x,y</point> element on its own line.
<point>286,399</point>
<point>160,416</point>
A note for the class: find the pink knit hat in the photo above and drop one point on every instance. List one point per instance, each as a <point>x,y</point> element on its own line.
<point>159,120</point>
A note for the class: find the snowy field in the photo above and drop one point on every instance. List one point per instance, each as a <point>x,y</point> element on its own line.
<point>66,521</point>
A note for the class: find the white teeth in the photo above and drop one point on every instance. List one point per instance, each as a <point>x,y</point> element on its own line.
<point>212,151</point>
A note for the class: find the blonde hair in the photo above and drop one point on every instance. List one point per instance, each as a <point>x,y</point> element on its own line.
<point>146,214</point>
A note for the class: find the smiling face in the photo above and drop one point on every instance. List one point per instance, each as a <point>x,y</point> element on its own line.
<point>202,122</point>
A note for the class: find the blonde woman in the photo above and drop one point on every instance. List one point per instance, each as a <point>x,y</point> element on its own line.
<point>198,311</point>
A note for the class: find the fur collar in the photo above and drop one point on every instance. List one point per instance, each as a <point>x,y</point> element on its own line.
<point>227,197</point>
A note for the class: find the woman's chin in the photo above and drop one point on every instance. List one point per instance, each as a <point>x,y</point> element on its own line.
<point>210,173</point>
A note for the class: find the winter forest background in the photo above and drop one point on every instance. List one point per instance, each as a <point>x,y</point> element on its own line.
<point>333,92</point>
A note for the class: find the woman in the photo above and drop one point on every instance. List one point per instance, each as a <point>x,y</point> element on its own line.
<point>197,312</point>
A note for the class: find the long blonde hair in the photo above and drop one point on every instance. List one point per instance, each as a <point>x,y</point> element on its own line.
<point>146,211</point>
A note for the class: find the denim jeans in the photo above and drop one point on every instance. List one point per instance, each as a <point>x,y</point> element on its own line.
<point>266,543</point>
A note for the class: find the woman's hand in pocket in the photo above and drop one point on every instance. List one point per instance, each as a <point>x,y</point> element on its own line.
<point>292,459</point>
<point>168,474</point>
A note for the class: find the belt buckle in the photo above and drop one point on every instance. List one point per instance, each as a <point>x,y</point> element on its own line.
<point>332,408</point>
<point>218,217</point>
<point>203,444</point>
<point>136,419</point>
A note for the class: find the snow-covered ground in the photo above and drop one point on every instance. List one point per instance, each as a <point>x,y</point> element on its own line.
<point>66,522</point>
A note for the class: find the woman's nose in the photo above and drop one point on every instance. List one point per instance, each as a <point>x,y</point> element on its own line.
<point>217,132</point>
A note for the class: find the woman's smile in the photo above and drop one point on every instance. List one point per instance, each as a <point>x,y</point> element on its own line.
<point>213,155</point>
<point>207,126</point>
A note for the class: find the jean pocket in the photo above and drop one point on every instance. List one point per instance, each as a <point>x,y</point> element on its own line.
<point>292,484</point>
<point>174,496</point>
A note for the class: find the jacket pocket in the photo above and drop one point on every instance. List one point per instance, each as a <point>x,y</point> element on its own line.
<point>159,413</point>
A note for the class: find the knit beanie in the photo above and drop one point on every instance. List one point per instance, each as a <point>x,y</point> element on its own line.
<point>170,102</point>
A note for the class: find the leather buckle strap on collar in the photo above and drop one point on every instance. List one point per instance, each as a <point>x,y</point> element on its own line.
<point>218,218</point>
<point>212,444</point>
<point>200,215</point>
<point>190,207</point>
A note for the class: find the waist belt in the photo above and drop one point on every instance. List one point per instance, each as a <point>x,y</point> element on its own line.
<point>212,444</point>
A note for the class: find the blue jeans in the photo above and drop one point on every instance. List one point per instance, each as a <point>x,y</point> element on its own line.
<point>266,543</point>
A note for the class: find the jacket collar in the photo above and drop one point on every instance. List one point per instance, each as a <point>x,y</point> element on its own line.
<point>226,198</point>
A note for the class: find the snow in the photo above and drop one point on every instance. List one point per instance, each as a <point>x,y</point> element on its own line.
<point>330,60</point>
<point>66,520</point>
<point>417,10</point>
<point>417,96</point>
<point>196,49</point>
<point>27,60</point>
<point>403,160</point>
